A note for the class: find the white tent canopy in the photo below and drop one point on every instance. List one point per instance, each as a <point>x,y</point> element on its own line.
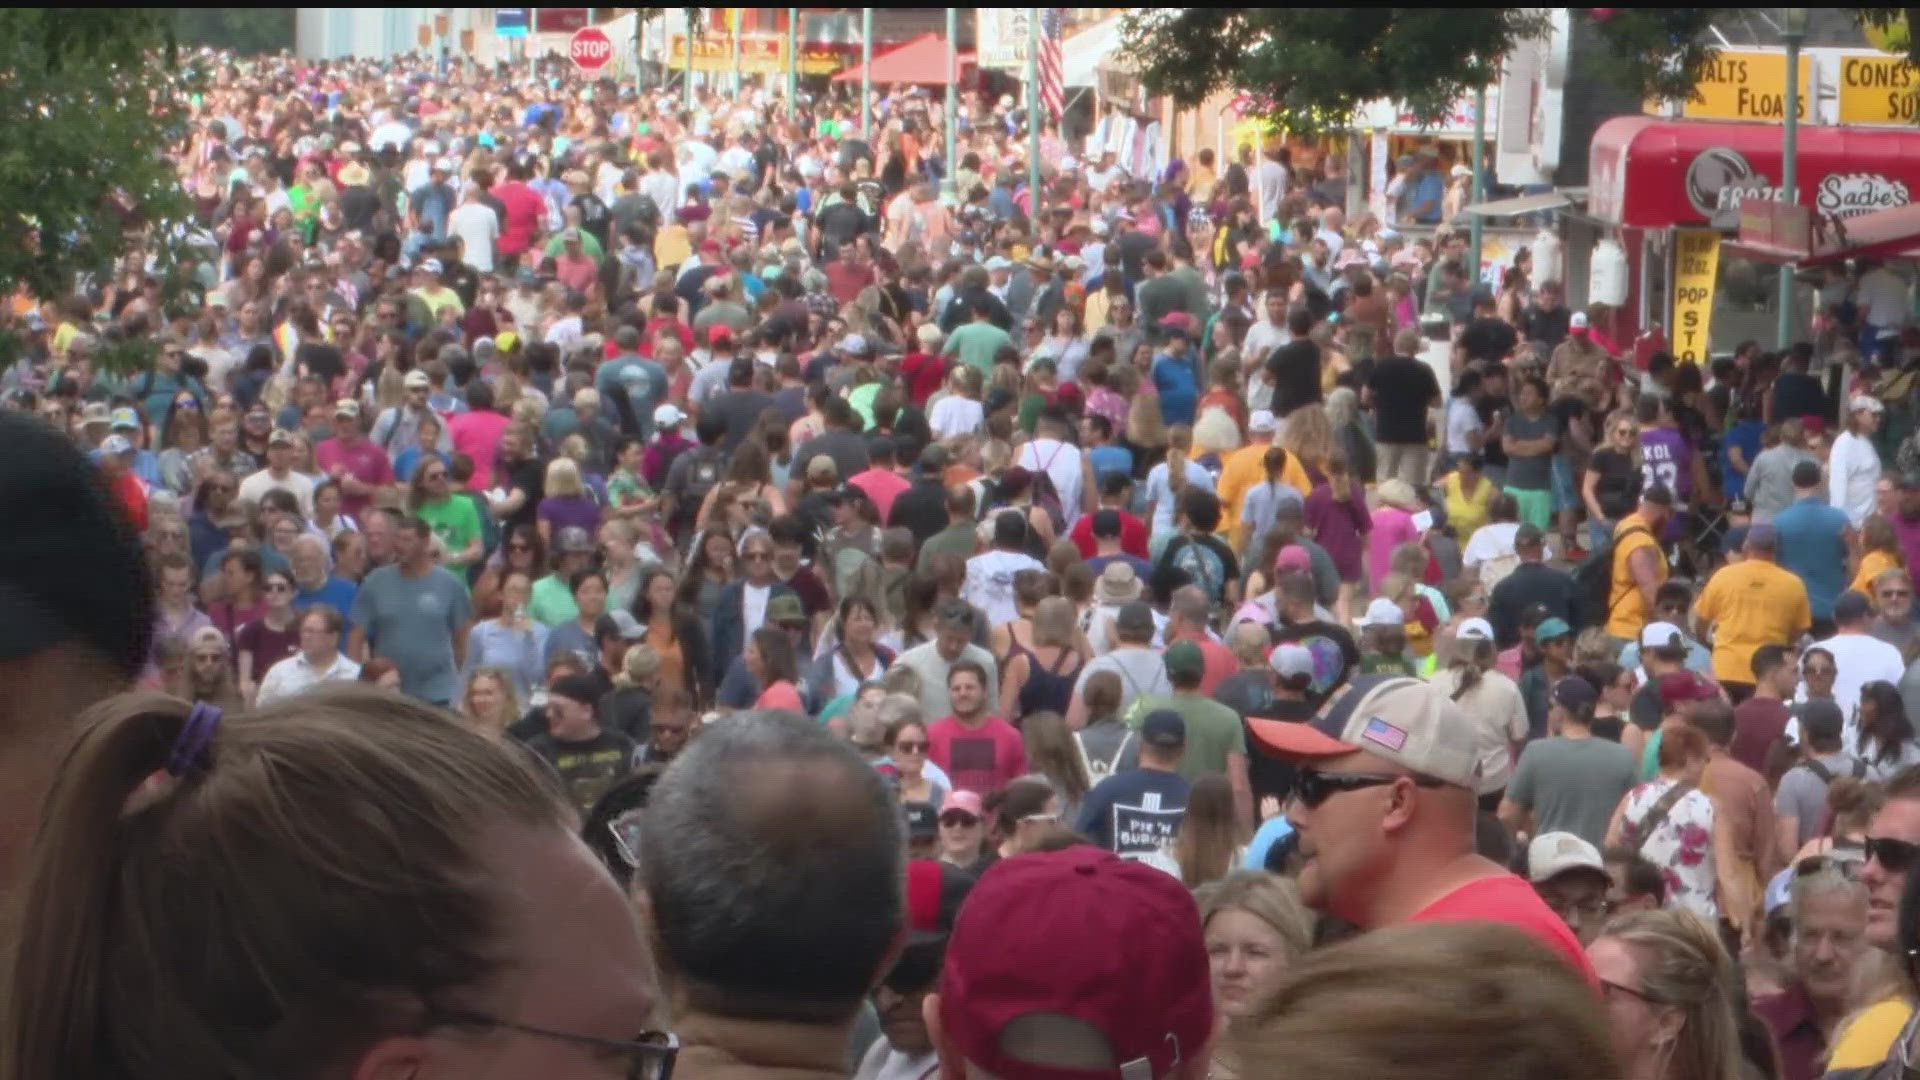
<point>1084,51</point>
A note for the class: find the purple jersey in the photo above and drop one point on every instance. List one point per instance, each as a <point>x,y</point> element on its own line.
<point>1665,460</point>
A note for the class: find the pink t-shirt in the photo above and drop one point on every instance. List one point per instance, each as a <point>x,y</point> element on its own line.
<point>1391,528</point>
<point>524,207</point>
<point>980,759</point>
<point>477,435</point>
<point>1505,898</point>
<point>363,461</point>
<point>780,695</point>
<point>882,487</point>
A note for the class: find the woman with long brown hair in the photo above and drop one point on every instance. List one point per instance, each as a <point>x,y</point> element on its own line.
<point>1054,757</point>
<point>1208,844</point>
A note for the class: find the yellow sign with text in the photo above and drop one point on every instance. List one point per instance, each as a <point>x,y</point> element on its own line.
<point>1740,85</point>
<point>1696,264</point>
<point>1878,90</point>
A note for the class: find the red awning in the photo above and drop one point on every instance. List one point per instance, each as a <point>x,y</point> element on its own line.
<point>1649,173</point>
<point>922,61</point>
<point>1770,232</point>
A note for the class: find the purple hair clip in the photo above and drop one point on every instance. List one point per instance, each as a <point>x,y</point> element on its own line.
<point>190,749</point>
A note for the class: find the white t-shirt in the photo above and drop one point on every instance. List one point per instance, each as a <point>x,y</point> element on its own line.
<point>478,227</point>
<point>1272,181</point>
<point>1853,469</point>
<point>1462,421</point>
<point>1883,297</point>
<point>1490,542</point>
<point>989,584</point>
<point>1062,463</point>
<point>1858,659</point>
<point>1160,493</point>
<point>754,607</point>
<point>1263,337</point>
<point>255,487</point>
<point>954,416</point>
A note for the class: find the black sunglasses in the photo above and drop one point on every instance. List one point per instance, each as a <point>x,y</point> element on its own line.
<point>1311,787</point>
<point>1896,856</point>
<point>650,1055</point>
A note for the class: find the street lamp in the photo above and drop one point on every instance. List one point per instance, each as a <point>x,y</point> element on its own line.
<point>947,192</point>
<point>1793,30</point>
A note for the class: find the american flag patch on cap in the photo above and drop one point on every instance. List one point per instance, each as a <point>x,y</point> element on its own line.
<point>1387,735</point>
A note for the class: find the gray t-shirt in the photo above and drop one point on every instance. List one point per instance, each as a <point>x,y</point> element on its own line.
<point>1530,472</point>
<point>1142,674</point>
<point>1803,794</point>
<point>412,621</point>
<point>1573,785</point>
<point>1107,747</point>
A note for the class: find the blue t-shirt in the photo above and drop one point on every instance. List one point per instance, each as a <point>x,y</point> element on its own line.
<point>1813,545</point>
<point>1273,831</point>
<point>337,593</point>
<point>1110,459</point>
<point>1746,435</point>
<point>409,460</point>
<point>1134,813</point>
<point>1429,187</point>
<point>1179,388</point>
<point>412,622</point>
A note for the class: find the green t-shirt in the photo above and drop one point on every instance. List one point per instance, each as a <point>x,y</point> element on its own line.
<point>860,399</point>
<point>454,521</point>
<point>958,540</point>
<point>552,602</point>
<point>975,343</point>
<point>1213,731</point>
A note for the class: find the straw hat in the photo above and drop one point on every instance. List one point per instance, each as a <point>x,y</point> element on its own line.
<point>1117,585</point>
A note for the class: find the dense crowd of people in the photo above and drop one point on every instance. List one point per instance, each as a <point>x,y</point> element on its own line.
<point>1150,626</point>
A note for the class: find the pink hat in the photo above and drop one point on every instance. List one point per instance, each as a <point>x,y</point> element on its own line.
<point>967,802</point>
<point>1293,557</point>
<point>1081,933</point>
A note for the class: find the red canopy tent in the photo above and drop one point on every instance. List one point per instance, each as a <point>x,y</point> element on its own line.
<point>1774,232</point>
<point>922,61</point>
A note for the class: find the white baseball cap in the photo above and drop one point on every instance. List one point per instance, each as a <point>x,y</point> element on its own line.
<point>999,262</point>
<point>1474,628</point>
<point>1577,321</point>
<point>1555,853</point>
<point>1863,403</point>
<point>668,415</point>
<point>1660,635</point>
<point>1382,612</point>
<point>1262,420</point>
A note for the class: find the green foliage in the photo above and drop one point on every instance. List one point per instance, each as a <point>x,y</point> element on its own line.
<point>90,106</point>
<point>247,31</point>
<point>1311,69</point>
<point>1661,52</point>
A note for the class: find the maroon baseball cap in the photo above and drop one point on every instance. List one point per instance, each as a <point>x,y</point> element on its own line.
<point>1680,687</point>
<point>1085,934</point>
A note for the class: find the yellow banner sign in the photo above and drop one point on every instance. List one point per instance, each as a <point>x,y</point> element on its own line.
<point>1747,86</point>
<point>1696,263</point>
<point>1878,90</point>
<point>760,54</point>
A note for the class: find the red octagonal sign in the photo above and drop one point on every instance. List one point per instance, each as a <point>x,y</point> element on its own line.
<point>591,48</point>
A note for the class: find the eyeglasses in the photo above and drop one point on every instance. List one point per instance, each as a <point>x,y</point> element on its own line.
<point>1895,856</point>
<point>650,1054</point>
<point>1598,907</point>
<point>1608,987</point>
<point>278,586</point>
<point>1039,819</point>
<point>1311,787</point>
<point>911,746</point>
<point>209,657</point>
<point>1895,594</point>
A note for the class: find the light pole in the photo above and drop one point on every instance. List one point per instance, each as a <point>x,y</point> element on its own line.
<point>1033,120</point>
<point>1479,179</point>
<point>947,193</point>
<point>793,59</point>
<point>866,73</point>
<point>686,90</point>
<point>1793,30</point>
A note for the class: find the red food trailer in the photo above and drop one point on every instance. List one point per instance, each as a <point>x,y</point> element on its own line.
<point>1650,176</point>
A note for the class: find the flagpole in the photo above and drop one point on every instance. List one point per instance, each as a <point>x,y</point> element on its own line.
<point>1033,120</point>
<point>947,192</point>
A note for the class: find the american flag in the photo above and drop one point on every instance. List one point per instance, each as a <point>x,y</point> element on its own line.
<point>1052,90</point>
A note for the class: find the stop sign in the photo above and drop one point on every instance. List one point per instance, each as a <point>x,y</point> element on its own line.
<point>591,48</point>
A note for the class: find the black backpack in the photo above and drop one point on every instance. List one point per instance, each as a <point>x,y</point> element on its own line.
<point>1819,769</point>
<point>1593,580</point>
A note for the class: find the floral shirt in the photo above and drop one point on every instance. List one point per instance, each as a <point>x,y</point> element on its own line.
<point>1681,846</point>
<point>624,489</point>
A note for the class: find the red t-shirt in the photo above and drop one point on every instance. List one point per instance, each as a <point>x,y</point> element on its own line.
<point>983,759</point>
<point>364,461</point>
<point>1133,536</point>
<point>524,207</point>
<point>924,373</point>
<point>1505,898</point>
<point>882,487</point>
<point>845,279</point>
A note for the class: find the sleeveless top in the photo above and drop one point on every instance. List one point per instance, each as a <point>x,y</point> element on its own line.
<point>1047,690</point>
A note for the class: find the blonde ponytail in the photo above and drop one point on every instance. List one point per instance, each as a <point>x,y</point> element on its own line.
<point>1179,444</point>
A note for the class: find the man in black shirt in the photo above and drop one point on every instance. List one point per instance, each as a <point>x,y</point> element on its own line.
<point>1493,404</point>
<point>741,405</point>
<point>922,508</point>
<point>1400,392</point>
<point>1532,583</point>
<point>1335,653</point>
<point>1547,319</point>
<point>840,223</point>
<point>587,758</point>
<point>1488,337</point>
<point>1796,394</point>
<point>1266,689</point>
<point>1295,366</point>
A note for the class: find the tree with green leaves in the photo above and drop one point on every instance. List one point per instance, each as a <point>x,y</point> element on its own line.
<point>91,102</point>
<point>1312,69</point>
<point>247,31</point>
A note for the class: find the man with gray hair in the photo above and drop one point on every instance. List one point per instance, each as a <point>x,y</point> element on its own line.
<point>774,879</point>
<point>1893,599</point>
<point>952,642</point>
<point>1829,912</point>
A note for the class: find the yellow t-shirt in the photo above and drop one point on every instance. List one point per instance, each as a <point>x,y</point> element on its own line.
<point>1243,469</point>
<point>1750,604</point>
<point>672,247</point>
<point>1466,513</point>
<point>1866,1038</point>
<point>1626,609</point>
<point>1872,565</point>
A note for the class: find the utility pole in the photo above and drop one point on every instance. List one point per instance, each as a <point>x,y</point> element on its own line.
<point>866,74</point>
<point>1793,28</point>
<point>793,61</point>
<point>1033,119</point>
<point>947,193</point>
<point>1479,177</point>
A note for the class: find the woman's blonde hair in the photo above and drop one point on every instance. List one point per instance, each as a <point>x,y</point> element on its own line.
<point>1309,435</point>
<point>563,478</point>
<point>1179,445</point>
<point>1145,427</point>
<point>509,711</point>
<point>1366,1009</point>
<point>1272,899</point>
<point>152,905</point>
<point>1683,966</point>
<point>1054,621</point>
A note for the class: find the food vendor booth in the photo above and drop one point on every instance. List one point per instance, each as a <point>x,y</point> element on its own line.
<point>1668,195</point>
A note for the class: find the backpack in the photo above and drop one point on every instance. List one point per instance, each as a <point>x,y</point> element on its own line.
<point>1203,565</point>
<point>1045,494</point>
<point>1100,770</point>
<point>1593,579</point>
<point>705,466</point>
<point>1819,769</point>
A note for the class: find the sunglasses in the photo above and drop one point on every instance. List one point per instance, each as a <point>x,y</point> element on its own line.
<point>1311,787</point>
<point>1896,856</point>
<point>911,746</point>
<point>954,821</point>
<point>209,657</point>
<point>187,405</point>
<point>278,586</point>
<point>1895,594</point>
